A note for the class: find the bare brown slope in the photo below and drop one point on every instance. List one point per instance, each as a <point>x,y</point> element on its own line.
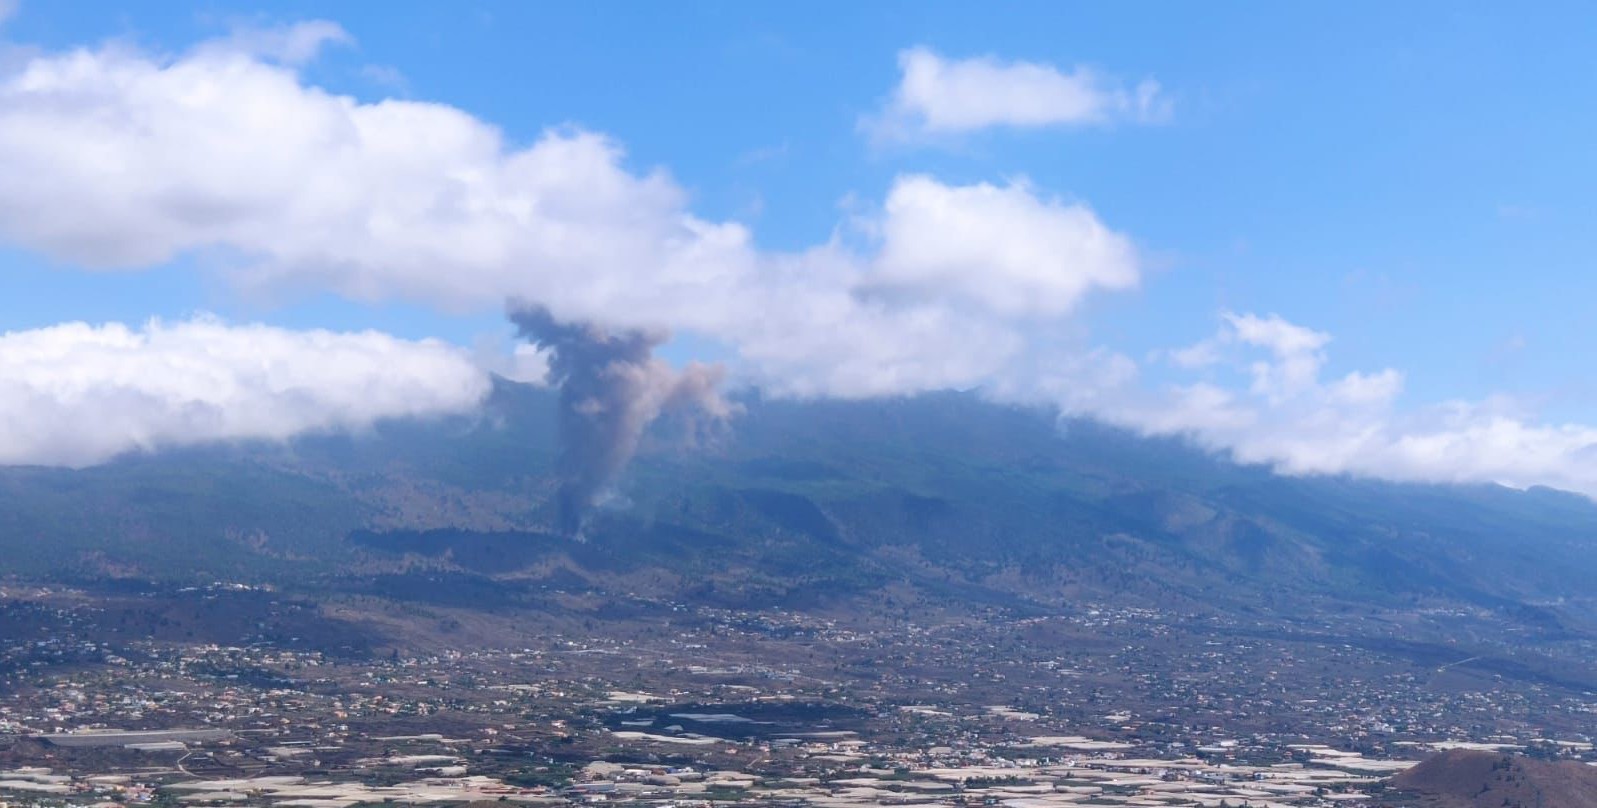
<point>1489,780</point>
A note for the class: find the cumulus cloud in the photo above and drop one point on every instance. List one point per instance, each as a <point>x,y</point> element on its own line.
<point>119,159</point>
<point>79,394</point>
<point>1295,353</point>
<point>1296,421</point>
<point>937,96</point>
<point>1004,248</point>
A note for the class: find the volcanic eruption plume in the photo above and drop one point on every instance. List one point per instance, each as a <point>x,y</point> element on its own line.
<point>611,388</point>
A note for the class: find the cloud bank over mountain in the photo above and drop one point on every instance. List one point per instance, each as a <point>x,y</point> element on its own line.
<point>121,159</point>
<point>78,394</point>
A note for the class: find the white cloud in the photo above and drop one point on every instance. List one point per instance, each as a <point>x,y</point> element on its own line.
<point>387,77</point>
<point>1003,248</point>
<point>1292,420</point>
<point>1197,355</point>
<point>937,96</point>
<point>118,159</point>
<point>1281,338</point>
<point>77,394</point>
<point>1366,389</point>
<point>8,9</point>
<point>517,361</point>
<point>1295,353</point>
<point>296,44</point>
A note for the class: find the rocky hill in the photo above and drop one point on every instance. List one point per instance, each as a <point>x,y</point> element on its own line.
<point>1463,779</point>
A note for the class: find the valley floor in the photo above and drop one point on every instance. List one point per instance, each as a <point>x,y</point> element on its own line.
<point>662,703</point>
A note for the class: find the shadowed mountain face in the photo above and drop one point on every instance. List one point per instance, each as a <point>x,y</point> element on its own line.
<point>804,503</point>
<point>1461,779</point>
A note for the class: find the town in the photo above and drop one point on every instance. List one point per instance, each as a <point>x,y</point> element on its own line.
<point>694,705</point>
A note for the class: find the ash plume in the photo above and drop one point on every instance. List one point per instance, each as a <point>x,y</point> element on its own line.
<point>611,388</point>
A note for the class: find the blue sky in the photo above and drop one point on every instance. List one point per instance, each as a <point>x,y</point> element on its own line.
<point>1412,180</point>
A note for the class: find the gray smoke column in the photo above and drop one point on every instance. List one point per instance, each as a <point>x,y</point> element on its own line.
<point>611,388</point>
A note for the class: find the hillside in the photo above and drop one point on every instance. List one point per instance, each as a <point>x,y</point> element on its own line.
<point>802,503</point>
<point>1462,779</point>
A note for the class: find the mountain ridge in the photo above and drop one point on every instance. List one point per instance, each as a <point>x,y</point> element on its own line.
<point>942,489</point>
